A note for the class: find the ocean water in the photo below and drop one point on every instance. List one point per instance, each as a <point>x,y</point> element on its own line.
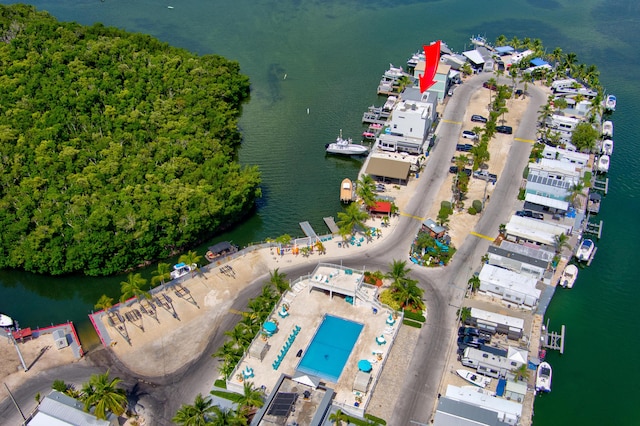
<point>332,54</point>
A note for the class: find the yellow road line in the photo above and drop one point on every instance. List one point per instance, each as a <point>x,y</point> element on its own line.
<point>451,122</point>
<point>486,237</point>
<point>524,140</point>
<point>412,216</point>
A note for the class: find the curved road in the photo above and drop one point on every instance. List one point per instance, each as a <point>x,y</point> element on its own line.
<point>160,397</point>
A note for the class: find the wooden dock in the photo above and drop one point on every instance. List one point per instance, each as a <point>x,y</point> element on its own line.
<point>601,185</point>
<point>594,228</point>
<point>308,230</point>
<point>331,224</point>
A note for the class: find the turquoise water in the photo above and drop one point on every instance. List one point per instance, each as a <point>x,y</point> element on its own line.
<point>330,348</point>
<point>333,53</point>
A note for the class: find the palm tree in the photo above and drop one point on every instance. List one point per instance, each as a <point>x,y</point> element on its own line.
<point>576,194</point>
<point>365,189</point>
<point>398,271</point>
<point>474,283</point>
<point>521,373</point>
<point>408,293</point>
<point>561,242</point>
<point>133,287</point>
<point>67,389</point>
<point>556,56</point>
<point>227,417</point>
<point>351,218</point>
<point>338,417</point>
<point>105,303</point>
<point>161,274</point>
<point>252,397</point>
<point>492,83</point>
<point>101,392</point>
<point>279,281</point>
<point>570,59</point>
<point>240,335</point>
<point>515,43</point>
<point>501,40</point>
<point>197,414</point>
<point>190,258</point>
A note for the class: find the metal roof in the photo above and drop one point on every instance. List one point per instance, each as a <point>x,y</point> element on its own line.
<point>388,167</point>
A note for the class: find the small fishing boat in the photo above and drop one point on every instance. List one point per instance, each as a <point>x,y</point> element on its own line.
<point>610,103</point>
<point>603,163</point>
<point>346,191</point>
<point>6,321</point>
<point>607,147</point>
<point>607,128</point>
<point>543,377</point>
<point>585,251</point>
<point>568,277</point>
<point>474,378</point>
<point>181,269</point>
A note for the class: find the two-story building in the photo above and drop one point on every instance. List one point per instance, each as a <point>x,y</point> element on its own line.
<point>509,286</point>
<point>553,178</point>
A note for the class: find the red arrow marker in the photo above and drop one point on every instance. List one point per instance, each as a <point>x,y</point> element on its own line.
<point>432,58</point>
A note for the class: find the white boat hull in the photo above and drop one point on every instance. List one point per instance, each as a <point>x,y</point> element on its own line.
<point>6,321</point>
<point>569,276</point>
<point>585,251</point>
<point>474,378</point>
<point>543,377</point>
<point>607,128</point>
<point>607,147</point>
<point>603,163</point>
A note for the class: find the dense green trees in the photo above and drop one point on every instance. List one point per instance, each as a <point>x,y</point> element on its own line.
<point>116,149</point>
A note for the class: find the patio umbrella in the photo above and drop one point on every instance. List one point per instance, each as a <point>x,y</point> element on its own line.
<point>364,365</point>
<point>269,327</point>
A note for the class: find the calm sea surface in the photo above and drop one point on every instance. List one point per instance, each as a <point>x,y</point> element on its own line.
<point>333,53</point>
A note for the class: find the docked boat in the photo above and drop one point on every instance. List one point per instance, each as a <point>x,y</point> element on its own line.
<point>607,128</point>
<point>474,378</point>
<point>603,163</point>
<point>220,250</point>
<point>543,377</point>
<point>6,321</point>
<point>368,135</point>
<point>607,147</point>
<point>181,269</point>
<point>346,147</point>
<point>346,191</point>
<point>610,103</point>
<point>569,275</point>
<point>585,251</point>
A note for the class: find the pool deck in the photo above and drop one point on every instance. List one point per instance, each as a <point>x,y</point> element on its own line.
<point>307,308</point>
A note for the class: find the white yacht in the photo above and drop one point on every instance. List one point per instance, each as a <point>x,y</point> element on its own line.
<point>610,103</point>
<point>568,277</point>
<point>474,378</point>
<point>543,377</point>
<point>585,251</point>
<point>181,269</point>
<point>603,163</point>
<point>607,147</point>
<point>346,147</point>
<point>5,321</point>
<point>607,128</point>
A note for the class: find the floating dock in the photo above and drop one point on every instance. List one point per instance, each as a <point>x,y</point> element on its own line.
<point>601,185</point>
<point>553,340</point>
<point>594,228</point>
<point>308,230</point>
<point>331,224</point>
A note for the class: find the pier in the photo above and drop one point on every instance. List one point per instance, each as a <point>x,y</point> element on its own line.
<point>595,229</point>
<point>553,340</point>
<point>308,230</point>
<point>331,224</point>
<point>601,185</point>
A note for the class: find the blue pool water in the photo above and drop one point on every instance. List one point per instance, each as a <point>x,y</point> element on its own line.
<point>330,348</point>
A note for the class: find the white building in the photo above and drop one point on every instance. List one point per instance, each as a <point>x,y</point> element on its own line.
<point>497,323</point>
<point>510,286</point>
<point>507,412</point>
<point>536,231</point>
<point>565,156</point>
<point>553,178</point>
<point>58,409</point>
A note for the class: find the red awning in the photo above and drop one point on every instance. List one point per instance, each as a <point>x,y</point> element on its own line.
<point>381,207</point>
<point>22,333</point>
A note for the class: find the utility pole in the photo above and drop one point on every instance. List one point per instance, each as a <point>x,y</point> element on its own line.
<point>18,350</point>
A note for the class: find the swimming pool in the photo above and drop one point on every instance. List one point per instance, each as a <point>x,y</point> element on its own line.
<point>330,348</point>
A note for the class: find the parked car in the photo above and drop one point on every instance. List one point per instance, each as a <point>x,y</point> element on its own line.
<point>468,331</point>
<point>486,85</point>
<point>504,129</point>
<point>464,147</point>
<point>478,118</point>
<point>485,175</point>
<point>519,92</point>
<point>469,134</point>
<point>472,341</point>
<point>531,214</point>
<point>453,169</point>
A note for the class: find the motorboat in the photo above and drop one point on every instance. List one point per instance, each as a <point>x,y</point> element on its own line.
<point>603,163</point>
<point>368,135</point>
<point>568,277</point>
<point>346,147</point>
<point>346,190</point>
<point>474,378</point>
<point>607,147</point>
<point>6,321</point>
<point>607,128</point>
<point>181,269</point>
<point>543,377</point>
<point>585,251</point>
<point>610,103</point>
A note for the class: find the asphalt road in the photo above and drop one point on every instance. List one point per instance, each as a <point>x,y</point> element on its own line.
<point>160,397</point>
